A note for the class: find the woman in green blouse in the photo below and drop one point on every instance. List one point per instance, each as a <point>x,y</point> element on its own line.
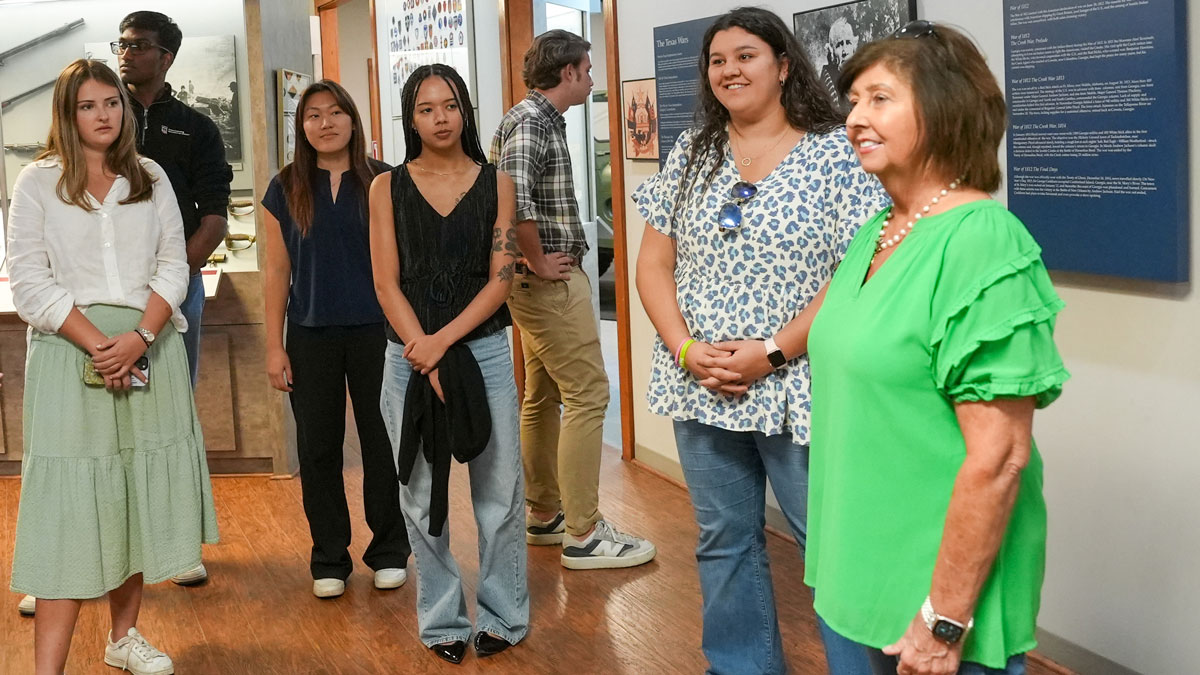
<point>932,348</point>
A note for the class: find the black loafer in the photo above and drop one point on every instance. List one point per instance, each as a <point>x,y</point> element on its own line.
<point>451,651</point>
<point>487,644</point>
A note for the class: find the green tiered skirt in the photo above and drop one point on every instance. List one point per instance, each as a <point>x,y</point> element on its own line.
<point>112,483</point>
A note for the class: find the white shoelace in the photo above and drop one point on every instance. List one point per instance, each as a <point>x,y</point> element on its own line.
<point>145,650</point>
<point>607,531</point>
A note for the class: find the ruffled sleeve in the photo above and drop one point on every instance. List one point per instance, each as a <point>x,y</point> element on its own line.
<point>993,313</point>
<point>656,198</point>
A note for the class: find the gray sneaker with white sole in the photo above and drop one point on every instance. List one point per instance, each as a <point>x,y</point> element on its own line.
<point>605,548</point>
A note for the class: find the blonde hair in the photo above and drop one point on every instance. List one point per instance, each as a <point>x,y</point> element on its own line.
<point>64,142</point>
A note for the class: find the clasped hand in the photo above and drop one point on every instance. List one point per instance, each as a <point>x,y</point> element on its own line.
<point>425,352</point>
<point>728,367</point>
<point>114,359</point>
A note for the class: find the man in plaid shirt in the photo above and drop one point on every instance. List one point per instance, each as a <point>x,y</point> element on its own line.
<point>551,304</point>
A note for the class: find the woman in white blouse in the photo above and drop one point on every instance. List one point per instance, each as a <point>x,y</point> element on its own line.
<point>115,490</point>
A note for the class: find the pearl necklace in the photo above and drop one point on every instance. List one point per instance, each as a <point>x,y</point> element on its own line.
<point>885,242</point>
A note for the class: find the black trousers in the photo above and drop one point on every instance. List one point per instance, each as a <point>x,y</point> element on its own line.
<point>324,362</point>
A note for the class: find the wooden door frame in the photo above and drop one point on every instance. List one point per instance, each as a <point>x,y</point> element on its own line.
<point>373,82</point>
<point>616,164</point>
<point>327,16</point>
<point>331,62</point>
<point>516,35</point>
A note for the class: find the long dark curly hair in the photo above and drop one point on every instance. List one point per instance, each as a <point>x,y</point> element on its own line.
<point>408,104</point>
<point>805,101</point>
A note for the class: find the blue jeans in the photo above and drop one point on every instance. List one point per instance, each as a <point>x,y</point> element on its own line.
<point>193,310</point>
<point>882,664</point>
<point>843,655</point>
<point>726,474</point>
<point>879,663</point>
<point>498,498</point>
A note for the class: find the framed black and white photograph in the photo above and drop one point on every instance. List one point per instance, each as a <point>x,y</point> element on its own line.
<point>831,35</point>
<point>204,76</point>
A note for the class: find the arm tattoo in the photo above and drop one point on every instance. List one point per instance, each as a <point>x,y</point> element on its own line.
<point>511,249</point>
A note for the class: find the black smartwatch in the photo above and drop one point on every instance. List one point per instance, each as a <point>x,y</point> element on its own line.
<point>944,628</point>
<point>775,354</point>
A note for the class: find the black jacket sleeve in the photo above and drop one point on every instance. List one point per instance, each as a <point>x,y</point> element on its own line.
<point>209,171</point>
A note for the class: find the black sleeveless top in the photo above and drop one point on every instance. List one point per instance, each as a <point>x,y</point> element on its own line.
<point>445,261</point>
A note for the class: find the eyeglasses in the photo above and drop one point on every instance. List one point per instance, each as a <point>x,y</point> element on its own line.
<point>730,216</point>
<point>138,48</point>
<point>915,29</point>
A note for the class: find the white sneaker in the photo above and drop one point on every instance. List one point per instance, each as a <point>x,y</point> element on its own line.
<point>139,657</point>
<point>545,532</point>
<point>390,577</point>
<point>605,548</point>
<point>27,606</point>
<point>196,575</point>
<point>328,588</point>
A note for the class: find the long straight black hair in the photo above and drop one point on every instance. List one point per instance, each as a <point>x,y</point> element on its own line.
<point>299,176</point>
<point>805,101</point>
<point>408,104</point>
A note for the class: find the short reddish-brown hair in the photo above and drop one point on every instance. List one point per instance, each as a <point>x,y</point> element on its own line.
<point>960,109</point>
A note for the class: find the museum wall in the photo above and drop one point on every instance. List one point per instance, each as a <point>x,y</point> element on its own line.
<point>27,121</point>
<point>1119,447</point>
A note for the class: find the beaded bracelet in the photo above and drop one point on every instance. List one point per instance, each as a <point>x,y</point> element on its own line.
<point>683,352</point>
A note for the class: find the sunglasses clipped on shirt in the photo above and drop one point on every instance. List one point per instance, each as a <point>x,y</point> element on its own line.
<point>729,218</point>
<point>139,47</point>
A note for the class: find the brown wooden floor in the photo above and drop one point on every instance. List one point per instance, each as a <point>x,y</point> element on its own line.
<point>257,615</point>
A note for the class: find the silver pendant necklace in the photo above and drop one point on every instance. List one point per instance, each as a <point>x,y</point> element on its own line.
<point>747,160</point>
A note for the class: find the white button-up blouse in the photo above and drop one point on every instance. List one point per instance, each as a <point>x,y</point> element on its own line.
<point>60,256</point>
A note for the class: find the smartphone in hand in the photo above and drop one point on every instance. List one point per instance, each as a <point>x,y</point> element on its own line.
<point>142,364</point>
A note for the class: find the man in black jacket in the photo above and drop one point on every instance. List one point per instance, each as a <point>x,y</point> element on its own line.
<point>189,148</point>
<point>184,142</point>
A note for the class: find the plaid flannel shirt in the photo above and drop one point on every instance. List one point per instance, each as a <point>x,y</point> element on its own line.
<point>531,146</point>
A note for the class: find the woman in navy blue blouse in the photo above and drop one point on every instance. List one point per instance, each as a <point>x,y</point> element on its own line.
<point>319,281</point>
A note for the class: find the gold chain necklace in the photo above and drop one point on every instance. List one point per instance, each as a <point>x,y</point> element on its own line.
<point>747,160</point>
<point>418,167</point>
<point>461,195</point>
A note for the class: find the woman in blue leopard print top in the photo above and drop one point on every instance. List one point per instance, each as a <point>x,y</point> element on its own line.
<point>746,222</point>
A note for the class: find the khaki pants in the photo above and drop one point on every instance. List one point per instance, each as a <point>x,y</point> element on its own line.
<point>563,367</point>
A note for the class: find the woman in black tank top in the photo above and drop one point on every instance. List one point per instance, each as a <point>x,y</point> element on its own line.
<point>443,249</point>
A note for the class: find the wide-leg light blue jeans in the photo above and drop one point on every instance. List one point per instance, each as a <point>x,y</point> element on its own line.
<point>498,499</point>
